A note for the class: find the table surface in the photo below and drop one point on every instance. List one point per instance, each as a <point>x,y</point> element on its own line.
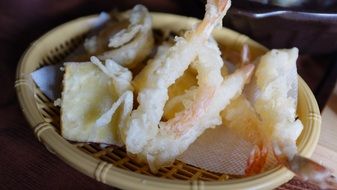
<point>26,164</point>
<point>326,151</point>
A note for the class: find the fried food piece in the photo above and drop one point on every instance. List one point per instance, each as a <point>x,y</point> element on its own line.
<point>182,91</point>
<point>96,101</point>
<point>265,114</point>
<point>241,117</point>
<point>271,109</point>
<point>275,99</point>
<point>127,42</point>
<point>159,143</point>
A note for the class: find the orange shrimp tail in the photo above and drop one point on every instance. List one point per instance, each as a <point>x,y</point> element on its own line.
<point>306,169</point>
<point>208,23</point>
<point>310,171</point>
<point>257,160</point>
<point>221,5</point>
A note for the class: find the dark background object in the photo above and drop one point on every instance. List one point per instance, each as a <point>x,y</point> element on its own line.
<point>320,73</point>
<point>299,4</point>
<point>313,31</point>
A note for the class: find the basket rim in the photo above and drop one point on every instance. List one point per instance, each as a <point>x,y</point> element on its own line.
<point>109,174</point>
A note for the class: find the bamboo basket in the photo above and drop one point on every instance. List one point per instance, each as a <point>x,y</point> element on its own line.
<point>111,165</point>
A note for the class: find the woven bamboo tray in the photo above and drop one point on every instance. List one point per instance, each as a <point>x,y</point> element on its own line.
<point>111,165</point>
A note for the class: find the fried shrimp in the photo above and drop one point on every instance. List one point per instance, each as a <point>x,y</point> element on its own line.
<point>271,94</point>
<point>159,143</point>
<point>275,101</point>
<point>267,109</point>
<point>265,115</point>
<point>242,119</point>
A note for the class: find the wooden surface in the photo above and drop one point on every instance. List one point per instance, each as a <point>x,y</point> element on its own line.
<point>326,151</point>
<point>26,164</point>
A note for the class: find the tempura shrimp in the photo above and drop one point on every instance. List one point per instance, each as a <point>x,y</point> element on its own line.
<point>269,116</point>
<point>273,94</point>
<point>241,117</point>
<point>273,102</point>
<point>159,143</point>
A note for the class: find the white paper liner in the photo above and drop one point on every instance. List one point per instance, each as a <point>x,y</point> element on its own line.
<point>48,79</point>
<point>219,150</point>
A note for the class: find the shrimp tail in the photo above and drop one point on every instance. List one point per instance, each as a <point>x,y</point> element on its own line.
<point>257,160</point>
<point>215,11</point>
<point>311,171</point>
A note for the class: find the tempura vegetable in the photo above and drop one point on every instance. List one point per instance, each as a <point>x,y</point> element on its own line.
<point>96,101</point>
<point>127,46</point>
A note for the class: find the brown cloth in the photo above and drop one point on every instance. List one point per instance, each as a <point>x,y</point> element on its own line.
<point>24,163</point>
